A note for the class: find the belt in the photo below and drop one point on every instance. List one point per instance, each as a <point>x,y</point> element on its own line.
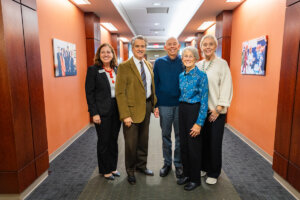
<point>148,99</point>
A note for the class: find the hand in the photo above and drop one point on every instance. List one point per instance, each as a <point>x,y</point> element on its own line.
<point>195,130</point>
<point>213,115</point>
<point>156,112</point>
<point>96,119</point>
<point>128,121</point>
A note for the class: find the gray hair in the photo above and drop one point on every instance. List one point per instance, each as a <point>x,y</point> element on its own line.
<point>192,49</point>
<point>208,36</point>
<point>138,37</point>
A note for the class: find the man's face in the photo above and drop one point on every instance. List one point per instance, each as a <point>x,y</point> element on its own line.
<point>139,49</point>
<point>172,46</point>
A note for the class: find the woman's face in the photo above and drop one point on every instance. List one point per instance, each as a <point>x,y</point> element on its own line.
<point>209,47</point>
<point>188,59</point>
<point>106,55</point>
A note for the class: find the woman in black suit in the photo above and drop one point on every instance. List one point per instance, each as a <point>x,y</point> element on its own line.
<point>100,95</point>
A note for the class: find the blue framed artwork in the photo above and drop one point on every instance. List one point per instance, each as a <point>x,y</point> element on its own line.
<point>254,56</point>
<point>64,58</point>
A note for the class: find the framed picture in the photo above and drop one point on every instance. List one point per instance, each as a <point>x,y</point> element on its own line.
<point>64,58</point>
<point>254,56</point>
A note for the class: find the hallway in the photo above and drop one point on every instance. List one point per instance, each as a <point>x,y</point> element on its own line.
<point>73,174</point>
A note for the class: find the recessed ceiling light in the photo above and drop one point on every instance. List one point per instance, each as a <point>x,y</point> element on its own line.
<point>156,24</point>
<point>156,4</point>
<point>189,39</point>
<point>109,26</point>
<point>80,2</point>
<point>124,39</point>
<point>205,25</point>
<point>156,32</point>
<point>228,1</point>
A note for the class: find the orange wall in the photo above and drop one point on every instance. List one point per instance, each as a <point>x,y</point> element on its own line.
<point>254,104</point>
<point>105,36</point>
<point>66,108</point>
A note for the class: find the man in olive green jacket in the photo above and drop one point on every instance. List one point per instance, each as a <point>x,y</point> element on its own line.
<point>135,94</point>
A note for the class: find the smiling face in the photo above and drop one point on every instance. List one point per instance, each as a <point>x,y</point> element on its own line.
<point>208,47</point>
<point>139,49</point>
<point>172,46</point>
<point>188,59</point>
<point>106,55</point>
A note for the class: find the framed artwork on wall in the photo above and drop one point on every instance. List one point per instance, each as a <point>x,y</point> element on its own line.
<point>64,58</point>
<point>254,54</point>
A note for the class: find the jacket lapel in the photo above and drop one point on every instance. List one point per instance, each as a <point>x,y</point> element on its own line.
<point>136,71</point>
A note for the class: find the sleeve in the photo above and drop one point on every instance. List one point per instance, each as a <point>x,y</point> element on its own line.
<point>121,83</point>
<point>203,89</point>
<point>90,89</point>
<point>226,90</point>
<point>156,81</point>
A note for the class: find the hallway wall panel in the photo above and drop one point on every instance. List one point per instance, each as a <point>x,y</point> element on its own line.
<point>254,105</point>
<point>65,103</point>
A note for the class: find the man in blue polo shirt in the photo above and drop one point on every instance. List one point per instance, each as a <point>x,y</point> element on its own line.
<point>166,78</point>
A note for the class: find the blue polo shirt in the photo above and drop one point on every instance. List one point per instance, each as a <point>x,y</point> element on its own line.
<point>166,78</point>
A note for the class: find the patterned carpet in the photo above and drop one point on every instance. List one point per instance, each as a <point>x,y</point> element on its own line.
<point>73,175</point>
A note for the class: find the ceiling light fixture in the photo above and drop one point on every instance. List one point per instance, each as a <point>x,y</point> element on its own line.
<point>205,25</point>
<point>229,1</point>
<point>182,12</point>
<point>156,4</point>
<point>124,39</point>
<point>189,39</point>
<point>81,2</point>
<point>156,24</point>
<point>109,26</point>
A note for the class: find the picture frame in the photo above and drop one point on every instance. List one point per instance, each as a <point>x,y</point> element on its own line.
<point>64,58</point>
<point>254,55</point>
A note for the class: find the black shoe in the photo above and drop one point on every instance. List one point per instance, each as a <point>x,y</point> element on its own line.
<point>179,172</point>
<point>111,177</point>
<point>164,171</point>
<point>183,180</point>
<point>146,171</point>
<point>117,174</point>
<point>191,185</point>
<point>131,180</point>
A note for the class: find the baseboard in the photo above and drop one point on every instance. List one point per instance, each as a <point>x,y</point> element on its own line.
<point>287,186</point>
<point>53,155</point>
<point>256,148</point>
<point>27,191</point>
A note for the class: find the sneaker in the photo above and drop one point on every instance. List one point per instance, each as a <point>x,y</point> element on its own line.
<point>203,173</point>
<point>211,181</point>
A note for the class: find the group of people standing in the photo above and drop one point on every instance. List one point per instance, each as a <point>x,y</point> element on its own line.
<point>192,97</point>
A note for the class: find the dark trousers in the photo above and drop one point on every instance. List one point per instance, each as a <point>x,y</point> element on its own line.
<point>107,145</point>
<point>212,146</point>
<point>190,147</point>
<point>136,143</point>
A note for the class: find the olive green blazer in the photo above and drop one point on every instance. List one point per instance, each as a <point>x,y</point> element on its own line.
<point>130,92</point>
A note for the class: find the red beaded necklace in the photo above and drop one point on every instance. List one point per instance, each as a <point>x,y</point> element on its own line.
<point>111,75</point>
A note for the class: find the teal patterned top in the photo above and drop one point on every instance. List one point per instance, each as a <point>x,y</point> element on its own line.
<point>194,89</point>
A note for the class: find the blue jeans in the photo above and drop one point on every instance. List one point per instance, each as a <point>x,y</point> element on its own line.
<point>169,116</point>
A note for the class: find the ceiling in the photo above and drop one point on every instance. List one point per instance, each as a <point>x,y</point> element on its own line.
<point>144,17</point>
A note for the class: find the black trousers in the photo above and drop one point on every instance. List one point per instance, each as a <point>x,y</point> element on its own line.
<point>136,143</point>
<point>212,146</point>
<point>190,147</point>
<point>107,146</point>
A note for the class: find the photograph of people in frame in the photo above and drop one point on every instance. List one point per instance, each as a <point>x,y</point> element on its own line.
<point>64,58</point>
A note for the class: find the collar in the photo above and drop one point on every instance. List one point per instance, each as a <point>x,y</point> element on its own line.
<point>175,59</point>
<point>191,72</point>
<point>137,60</point>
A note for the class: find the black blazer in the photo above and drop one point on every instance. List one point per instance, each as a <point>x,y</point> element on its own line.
<point>97,90</point>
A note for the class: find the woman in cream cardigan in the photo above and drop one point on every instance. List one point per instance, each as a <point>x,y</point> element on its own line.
<point>219,98</point>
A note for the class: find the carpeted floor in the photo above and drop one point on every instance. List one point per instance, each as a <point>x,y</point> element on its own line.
<point>73,175</point>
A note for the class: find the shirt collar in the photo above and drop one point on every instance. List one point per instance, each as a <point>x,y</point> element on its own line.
<point>190,72</point>
<point>137,60</point>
